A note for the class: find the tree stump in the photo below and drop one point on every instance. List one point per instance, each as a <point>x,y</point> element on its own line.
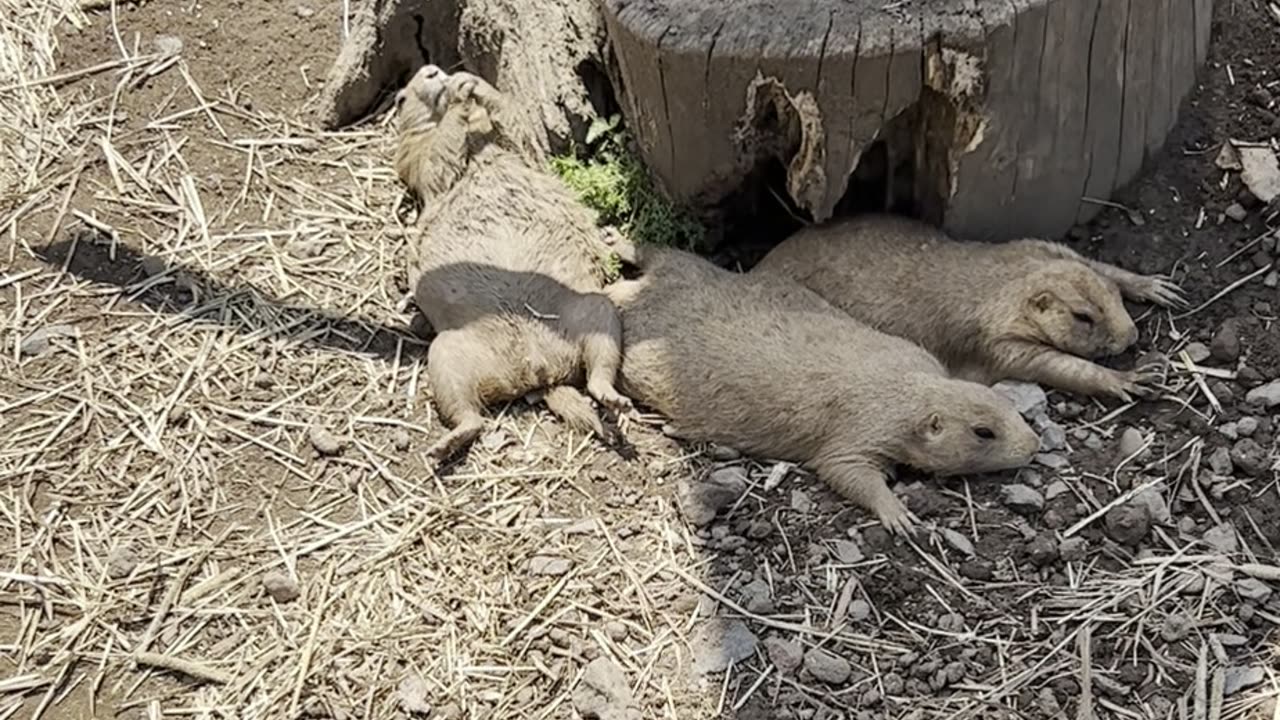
<point>544,55</point>
<point>993,118</point>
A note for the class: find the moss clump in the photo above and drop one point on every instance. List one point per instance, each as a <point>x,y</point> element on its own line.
<point>611,180</point>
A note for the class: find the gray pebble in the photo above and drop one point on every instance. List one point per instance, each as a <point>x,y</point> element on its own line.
<point>718,643</point>
<point>1029,399</point>
<point>848,551</point>
<point>400,439</point>
<point>1220,462</point>
<point>325,442</point>
<point>1225,345</point>
<point>1236,212</point>
<point>1128,524</point>
<point>1199,352</point>
<point>1247,426</point>
<point>1056,488</point>
<point>1073,549</point>
<point>40,341</point>
<point>167,44</point>
<point>1222,538</point>
<point>1053,437</point>
<point>1053,461</point>
<point>280,586</point>
<point>547,565</point>
<point>786,655</point>
<point>303,11</point>
<point>1250,457</point>
<point>827,667</point>
<point>121,563</point>
<point>1130,444</point>
<point>1267,396</point>
<point>1022,499</point>
<point>1241,678</point>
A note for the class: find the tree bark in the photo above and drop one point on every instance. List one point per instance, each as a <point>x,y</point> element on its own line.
<point>543,53</point>
<point>998,118</point>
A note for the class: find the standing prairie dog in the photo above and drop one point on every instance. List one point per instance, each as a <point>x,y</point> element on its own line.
<point>1027,310</point>
<point>768,367</point>
<point>508,267</point>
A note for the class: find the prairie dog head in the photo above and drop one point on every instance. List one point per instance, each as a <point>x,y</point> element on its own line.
<point>1070,307</point>
<point>440,114</point>
<point>962,427</point>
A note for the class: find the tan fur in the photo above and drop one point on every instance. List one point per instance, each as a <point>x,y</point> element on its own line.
<point>1029,309</point>
<point>768,367</point>
<point>509,266</point>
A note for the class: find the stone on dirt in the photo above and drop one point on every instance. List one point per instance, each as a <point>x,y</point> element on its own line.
<point>603,693</point>
<point>413,692</point>
<point>785,654</point>
<point>1267,396</point>
<point>281,587</point>
<point>40,341</point>
<point>827,667</point>
<point>718,643</point>
<point>1222,538</point>
<point>1250,457</point>
<point>1197,351</point>
<point>326,443</point>
<point>548,565</point>
<point>1225,345</point>
<point>1242,678</point>
<point>121,562</point>
<point>1029,398</point>
<point>1022,499</point>
<point>1130,444</point>
<point>957,540</point>
<point>701,501</point>
<point>1128,524</point>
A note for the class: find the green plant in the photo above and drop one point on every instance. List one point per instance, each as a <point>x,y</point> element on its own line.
<point>611,180</point>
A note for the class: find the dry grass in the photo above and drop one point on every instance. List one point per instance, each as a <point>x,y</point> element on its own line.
<point>159,463</point>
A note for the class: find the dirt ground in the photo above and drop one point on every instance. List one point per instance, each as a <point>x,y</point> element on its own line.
<point>213,501</point>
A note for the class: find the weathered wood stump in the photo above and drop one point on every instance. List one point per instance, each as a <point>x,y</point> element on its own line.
<point>544,55</point>
<point>999,118</point>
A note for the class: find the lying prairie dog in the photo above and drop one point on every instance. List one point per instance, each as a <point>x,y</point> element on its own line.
<point>1027,310</point>
<point>766,366</point>
<point>508,266</point>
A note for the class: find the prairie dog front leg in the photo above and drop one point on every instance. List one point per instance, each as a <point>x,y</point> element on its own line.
<point>1057,369</point>
<point>863,481</point>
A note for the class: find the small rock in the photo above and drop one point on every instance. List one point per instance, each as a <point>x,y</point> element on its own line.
<point>957,540</point>
<point>1250,378</point>
<point>1198,351</point>
<point>1131,443</point>
<point>1229,431</point>
<point>604,692</point>
<point>400,439</point>
<point>1053,461</point>
<point>413,692</point>
<point>1187,525</point>
<point>979,570</point>
<point>848,552</point>
<point>1242,678</point>
<point>1129,523</point>
<point>859,610</point>
<point>701,501</point>
<point>1225,345</point>
<point>153,265</point>
<point>1222,538</point>
<point>303,11</point>
<point>1220,462</point>
<point>1022,499</point>
<point>1056,488</point>
<point>264,380</point>
<point>801,502</point>
<point>1176,627</point>
<point>39,342</point>
<point>827,667</point>
<point>1236,212</point>
<point>121,563</point>
<point>1052,438</point>
<point>1253,589</point>
<point>1267,396</point>
<point>893,683</point>
<point>1073,549</point>
<point>759,529</point>
<point>1043,551</point>
<point>1246,426</point>
<point>167,44</point>
<point>281,587</point>
<point>757,596</point>
<point>1157,508</point>
<point>718,643</point>
<point>1231,639</point>
<point>616,630</point>
<point>547,565</point>
<point>1029,399</point>
<point>786,655</point>
<point>325,442</point>
<point>1250,457</point>
<point>1271,280</point>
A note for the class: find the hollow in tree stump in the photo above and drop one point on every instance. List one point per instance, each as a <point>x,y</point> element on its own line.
<point>994,118</point>
<point>544,55</point>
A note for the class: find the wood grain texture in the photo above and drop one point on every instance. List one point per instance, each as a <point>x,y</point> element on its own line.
<point>1068,98</point>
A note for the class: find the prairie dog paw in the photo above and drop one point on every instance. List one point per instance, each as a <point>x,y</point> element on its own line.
<point>1161,291</point>
<point>895,517</point>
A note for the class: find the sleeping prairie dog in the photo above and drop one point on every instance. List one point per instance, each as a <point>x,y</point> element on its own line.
<point>1028,310</point>
<point>507,266</point>
<point>766,366</point>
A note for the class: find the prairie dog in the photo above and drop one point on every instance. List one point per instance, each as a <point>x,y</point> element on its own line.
<point>1027,310</point>
<point>508,266</point>
<point>768,367</point>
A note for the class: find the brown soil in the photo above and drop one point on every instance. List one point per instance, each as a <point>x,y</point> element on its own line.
<point>173,437</point>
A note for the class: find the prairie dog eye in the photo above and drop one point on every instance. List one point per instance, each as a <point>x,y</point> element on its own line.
<point>1085,318</point>
<point>985,433</point>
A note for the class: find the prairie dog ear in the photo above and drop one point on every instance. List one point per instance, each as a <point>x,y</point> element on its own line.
<point>931,426</point>
<point>1042,301</point>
